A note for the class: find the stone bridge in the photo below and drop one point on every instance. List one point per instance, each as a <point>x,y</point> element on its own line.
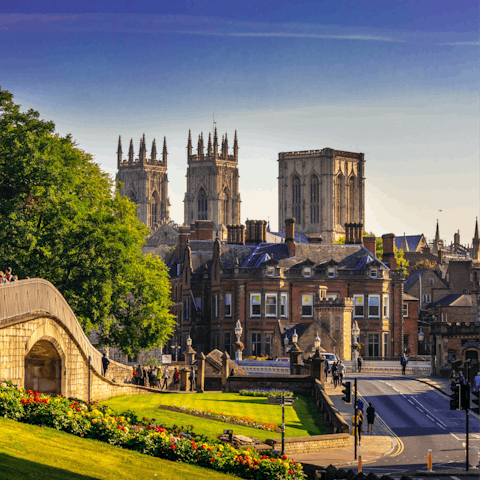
<point>43,347</point>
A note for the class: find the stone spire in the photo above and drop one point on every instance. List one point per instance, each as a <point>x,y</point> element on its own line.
<point>164,153</point>
<point>142,154</point>
<point>209,148</point>
<point>476,243</point>
<point>235,146</point>
<point>130,152</point>
<point>404,246</point>
<point>436,242</point>
<point>215,143</point>
<point>223,145</point>
<point>153,152</point>
<point>226,145</point>
<point>189,144</point>
<point>119,152</point>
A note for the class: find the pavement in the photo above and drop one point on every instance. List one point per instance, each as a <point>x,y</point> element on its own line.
<point>383,441</point>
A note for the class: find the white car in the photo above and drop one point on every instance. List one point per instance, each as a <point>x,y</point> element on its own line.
<point>331,359</point>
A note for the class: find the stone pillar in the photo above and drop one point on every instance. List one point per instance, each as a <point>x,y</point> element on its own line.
<point>318,365</point>
<point>201,372</point>
<point>183,379</point>
<point>225,372</point>
<point>295,359</point>
<point>189,356</point>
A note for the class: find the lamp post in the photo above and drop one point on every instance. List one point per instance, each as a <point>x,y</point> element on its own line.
<point>175,349</point>
<point>355,338</point>
<point>317,342</point>
<point>238,345</point>
<point>285,344</point>
<point>295,337</point>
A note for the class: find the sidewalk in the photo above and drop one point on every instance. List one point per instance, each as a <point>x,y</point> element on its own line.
<point>373,446</point>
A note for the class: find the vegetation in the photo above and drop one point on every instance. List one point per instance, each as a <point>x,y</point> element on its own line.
<point>402,264</point>
<point>299,419</point>
<point>32,452</point>
<point>59,220</point>
<point>422,265</point>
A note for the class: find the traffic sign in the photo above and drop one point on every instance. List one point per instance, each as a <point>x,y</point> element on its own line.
<point>274,400</point>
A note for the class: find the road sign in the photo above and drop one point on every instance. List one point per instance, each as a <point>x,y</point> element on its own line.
<point>289,400</point>
<point>166,359</point>
<point>274,400</point>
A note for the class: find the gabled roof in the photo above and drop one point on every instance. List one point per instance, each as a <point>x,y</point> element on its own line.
<point>412,241</point>
<point>408,297</point>
<point>453,300</point>
<point>299,237</point>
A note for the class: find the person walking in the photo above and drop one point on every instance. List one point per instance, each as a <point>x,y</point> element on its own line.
<point>193,386</point>
<point>370,417</point>
<point>341,371</point>
<point>336,375</point>
<point>139,375</point>
<point>134,375</point>
<point>325,368</point>
<point>105,364</point>
<point>176,379</point>
<point>166,377</point>
<point>360,425</point>
<point>403,363</point>
<point>359,363</point>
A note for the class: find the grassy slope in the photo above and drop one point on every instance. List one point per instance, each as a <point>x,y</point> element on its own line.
<point>31,452</point>
<point>299,420</point>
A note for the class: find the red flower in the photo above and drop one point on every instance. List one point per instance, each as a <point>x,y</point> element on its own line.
<point>284,457</point>
<point>272,459</point>
<point>173,447</point>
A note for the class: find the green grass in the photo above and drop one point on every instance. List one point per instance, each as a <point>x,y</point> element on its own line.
<point>31,452</point>
<point>299,419</point>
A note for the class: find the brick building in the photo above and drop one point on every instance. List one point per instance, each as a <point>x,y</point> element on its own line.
<point>215,284</point>
<point>427,286</point>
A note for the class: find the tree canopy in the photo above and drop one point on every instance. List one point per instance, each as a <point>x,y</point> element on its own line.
<point>60,220</point>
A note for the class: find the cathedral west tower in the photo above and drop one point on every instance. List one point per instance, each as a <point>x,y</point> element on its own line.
<point>145,182</point>
<point>212,184</point>
<point>322,190</point>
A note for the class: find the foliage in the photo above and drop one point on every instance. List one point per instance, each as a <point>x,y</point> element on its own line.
<point>179,444</point>
<point>402,264</point>
<point>265,392</point>
<point>223,417</point>
<point>60,221</point>
<point>422,265</point>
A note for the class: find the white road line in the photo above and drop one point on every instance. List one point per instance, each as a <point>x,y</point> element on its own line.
<point>441,426</point>
<point>454,436</point>
<point>437,419</point>
<point>455,478</point>
<point>418,408</point>
<point>430,418</point>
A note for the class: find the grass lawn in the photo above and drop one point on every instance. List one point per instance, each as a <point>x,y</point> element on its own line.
<point>299,419</point>
<point>31,452</point>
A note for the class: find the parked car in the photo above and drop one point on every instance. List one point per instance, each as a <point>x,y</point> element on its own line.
<point>331,359</point>
<point>282,359</point>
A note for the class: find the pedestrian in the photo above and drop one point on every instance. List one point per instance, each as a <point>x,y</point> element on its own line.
<point>360,425</point>
<point>370,417</point>
<point>176,379</point>
<point>192,380</point>
<point>325,367</point>
<point>341,371</point>
<point>166,377</point>
<point>105,364</point>
<point>8,274</point>
<point>139,376</point>
<point>336,376</point>
<point>145,376</point>
<point>134,374</point>
<point>152,376</point>
<point>359,363</point>
<point>476,383</point>
<point>403,363</point>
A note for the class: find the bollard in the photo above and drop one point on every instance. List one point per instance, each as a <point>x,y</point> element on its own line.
<point>359,464</point>
<point>429,461</point>
<point>474,457</point>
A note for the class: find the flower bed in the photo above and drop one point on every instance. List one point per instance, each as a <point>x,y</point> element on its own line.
<point>265,392</point>
<point>224,417</point>
<point>127,431</point>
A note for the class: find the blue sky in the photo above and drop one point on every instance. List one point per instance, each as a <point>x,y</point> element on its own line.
<point>395,80</point>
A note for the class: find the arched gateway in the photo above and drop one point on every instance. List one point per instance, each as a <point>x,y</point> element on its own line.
<point>43,367</point>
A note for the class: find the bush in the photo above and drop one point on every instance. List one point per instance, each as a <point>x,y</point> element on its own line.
<point>179,444</point>
<point>265,392</point>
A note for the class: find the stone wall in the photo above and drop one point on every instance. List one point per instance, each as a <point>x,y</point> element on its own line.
<point>298,384</point>
<point>331,416</point>
<point>314,444</point>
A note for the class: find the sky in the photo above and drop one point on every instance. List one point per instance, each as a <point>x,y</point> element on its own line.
<point>396,80</point>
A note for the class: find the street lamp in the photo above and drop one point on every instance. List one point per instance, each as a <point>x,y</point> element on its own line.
<point>285,344</point>
<point>421,335</point>
<point>317,342</point>
<point>175,349</point>
<point>189,341</point>
<point>238,333</point>
<point>295,337</point>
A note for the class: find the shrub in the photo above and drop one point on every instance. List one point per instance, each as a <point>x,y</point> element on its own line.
<point>265,392</point>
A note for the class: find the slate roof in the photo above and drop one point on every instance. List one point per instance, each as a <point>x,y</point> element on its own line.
<point>413,279</point>
<point>299,237</point>
<point>453,300</point>
<point>408,297</point>
<point>412,241</point>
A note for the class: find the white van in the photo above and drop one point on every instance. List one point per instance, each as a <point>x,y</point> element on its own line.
<point>331,359</point>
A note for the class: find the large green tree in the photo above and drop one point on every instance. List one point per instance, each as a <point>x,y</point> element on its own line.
<point>59,220</point>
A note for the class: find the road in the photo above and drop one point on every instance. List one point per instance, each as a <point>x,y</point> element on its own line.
<point>421,419</point>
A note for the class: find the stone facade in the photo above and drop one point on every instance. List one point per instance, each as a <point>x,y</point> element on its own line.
<point>322,190</point>
<point>145,182</point>
<point>213,184</point>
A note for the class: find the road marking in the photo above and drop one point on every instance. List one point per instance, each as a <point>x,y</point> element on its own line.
<point>430,418</point>
<point>418,408</point>
<point>441,426</point>
<point>454,436</point>
<point>437,419</point>
<point>455,478</point>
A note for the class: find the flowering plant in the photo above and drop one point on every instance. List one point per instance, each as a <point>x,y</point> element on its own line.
<point>265,392</point>
<point>179,444</point>
<point>224,417</point>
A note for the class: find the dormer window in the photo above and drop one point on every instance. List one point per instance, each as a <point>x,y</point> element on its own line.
<point>331,273</point>
<point>271,271</point>
<point>373,273</point>
<point>307,272</point>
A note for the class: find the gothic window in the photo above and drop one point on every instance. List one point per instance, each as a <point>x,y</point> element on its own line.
<point>202,205</point>
<point>296,199</point>
<point>155,209</point>
<point>351,199</point>
<point>339,199</point>
<point>226,206</point>
<point>314,200</point>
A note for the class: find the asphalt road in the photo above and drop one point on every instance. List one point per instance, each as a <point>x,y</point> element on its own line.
<point>421,419</point>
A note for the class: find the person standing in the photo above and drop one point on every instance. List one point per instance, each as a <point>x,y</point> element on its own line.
<point>335,374</point>
<point>341,371</point>
<point>359,363</point>
<point>166,377</point>
<point>360,425</point>
<point>403,362</point>
<point>176,379</point>
<point>193,387</point>
<point>139,375</point>
<point>105,364</point>
<point>370,417</point>
<point>325,367</point>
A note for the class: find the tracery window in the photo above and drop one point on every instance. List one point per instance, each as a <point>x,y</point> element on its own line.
<point>296,199</point>
<point>202,205</point>
<point>314,200</point>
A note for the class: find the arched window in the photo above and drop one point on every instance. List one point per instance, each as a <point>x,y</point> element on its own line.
<point>339,199</point>
<point>351,199</point>
<point>314,200</point>
<point>202,205</point>
<point>296,199</point>
<point>226,207</point>
<point>155,209</point>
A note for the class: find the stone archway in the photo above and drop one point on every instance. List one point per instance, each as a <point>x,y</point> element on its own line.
<point>43,368</point>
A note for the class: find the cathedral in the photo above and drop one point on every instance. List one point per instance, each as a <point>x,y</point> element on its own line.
<point>323,190</point>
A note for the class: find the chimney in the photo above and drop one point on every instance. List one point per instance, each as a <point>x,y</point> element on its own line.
<point>440,256</point>
<point>229,233</point>
<point>426,250</point>
<point>389,250</point>
<point>370,244</point>
<point>242,234</point>
<point>263,231</point>
<point>348,233</point>
<point>203,230</point>
<point>290,235</point>
<point>183,233</point>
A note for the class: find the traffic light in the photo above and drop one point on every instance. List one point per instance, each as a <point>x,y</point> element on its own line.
<point>347,391</point>
<point>465,396</point>
<point>475,401</point>
<point>455,397</point>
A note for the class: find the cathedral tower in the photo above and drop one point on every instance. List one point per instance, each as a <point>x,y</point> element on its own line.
<point>145,182</point>
<point>322,190</point>
<point>212,184</point>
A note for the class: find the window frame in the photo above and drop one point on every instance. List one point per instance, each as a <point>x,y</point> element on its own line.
<point>284,305</point>
<point>258,341</point>
<point>270,271</point>
<point>405,309</point>
<point>259,305</point>
<point>386,305</point>
<point>307,272</point>
<point>228,304</point>
<point>307,301</point>
<point>374,273</point>
<point>359,304</point>
<point>331,273</point>
<point>371,305</point>
<point>270,296</point>
<point>426,298</point>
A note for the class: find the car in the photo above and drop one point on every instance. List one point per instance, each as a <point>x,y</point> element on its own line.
<point>282,359</point>
<point>331,359</point>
